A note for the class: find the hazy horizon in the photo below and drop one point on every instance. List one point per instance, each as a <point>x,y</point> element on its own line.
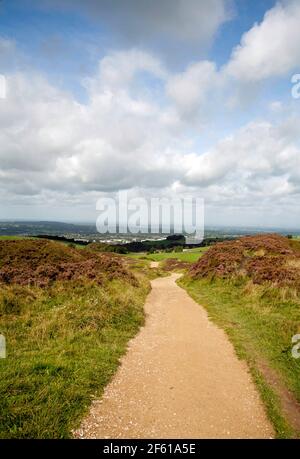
<point>161,99</point>
<point>206,227</point>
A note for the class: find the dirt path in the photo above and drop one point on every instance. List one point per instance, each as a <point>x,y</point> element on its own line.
<point>179,379</point>
<point>154,264</point>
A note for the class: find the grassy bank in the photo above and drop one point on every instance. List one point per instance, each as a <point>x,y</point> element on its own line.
<point>63,346</point>
<point>260,320</point>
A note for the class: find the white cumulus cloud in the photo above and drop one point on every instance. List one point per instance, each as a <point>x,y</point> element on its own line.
<point>271,48</point>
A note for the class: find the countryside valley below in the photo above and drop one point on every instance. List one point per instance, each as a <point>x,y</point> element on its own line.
<point>90,332</point>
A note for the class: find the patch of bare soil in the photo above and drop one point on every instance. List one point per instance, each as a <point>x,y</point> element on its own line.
<point>290,406</point>
<point>154,264</point>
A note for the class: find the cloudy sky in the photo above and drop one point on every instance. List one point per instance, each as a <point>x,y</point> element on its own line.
<point>161,98</point>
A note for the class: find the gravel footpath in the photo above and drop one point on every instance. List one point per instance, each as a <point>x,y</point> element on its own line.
<point>179,379</point>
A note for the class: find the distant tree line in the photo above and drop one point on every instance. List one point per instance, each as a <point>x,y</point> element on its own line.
<point>174,242</point>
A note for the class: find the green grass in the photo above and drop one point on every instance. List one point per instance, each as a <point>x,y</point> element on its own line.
<point>72,244</point>
<point>190,255</point>
<point>63,346</point>
<point>260,321</point>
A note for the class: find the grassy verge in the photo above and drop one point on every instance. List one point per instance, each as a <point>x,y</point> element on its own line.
<point>260,321</point>
<point>63,346</point>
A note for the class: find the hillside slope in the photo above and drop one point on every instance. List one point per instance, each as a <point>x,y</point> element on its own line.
<point>264,258</point>
<point>67,316</point>
<point>40,262</point>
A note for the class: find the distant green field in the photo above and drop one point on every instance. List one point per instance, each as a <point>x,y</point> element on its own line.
<point>190,255</point>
